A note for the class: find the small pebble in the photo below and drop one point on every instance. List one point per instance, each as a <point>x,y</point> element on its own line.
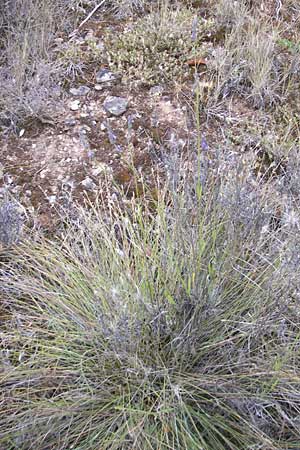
<point>80,91</point>
<point>70,122</point>
<point>75,105</point>
<point>105,76</point>
<point>52,199</point>
<point>156,90</point>
<point>116,106</point>
<point>88,184</point>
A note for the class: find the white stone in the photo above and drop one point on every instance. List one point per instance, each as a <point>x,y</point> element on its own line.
<point>88,184</point>
<point>75,105</point>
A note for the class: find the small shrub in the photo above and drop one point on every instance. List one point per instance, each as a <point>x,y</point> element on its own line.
<point>156,47</point>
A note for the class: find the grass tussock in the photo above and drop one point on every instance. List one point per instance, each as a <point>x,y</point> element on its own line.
<point>30,74</point>
<point>173,327</point>
<point>251,60</point>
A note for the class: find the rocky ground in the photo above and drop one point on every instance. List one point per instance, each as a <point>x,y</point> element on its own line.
<point>110,127</point>
<point>100,133</point>
<point>103,128</point>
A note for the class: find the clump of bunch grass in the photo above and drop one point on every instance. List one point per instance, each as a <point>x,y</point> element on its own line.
<point>156,47</point>
<point>247,64</point>
<point>250,62</point>
<point>74,57</point>
<point>172,327</point>
<point>29,72</point>
<point>230,14</point>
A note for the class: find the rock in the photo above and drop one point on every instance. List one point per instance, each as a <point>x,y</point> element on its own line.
<point>115,105</point>
<point>98,87</point>
<point>100,45</point>
<point>52,199</point>
<point>156,90</point>
<point>70,122</point>
<point>119,148</point>
<point>101,168</point>
<point>68,184</point>
<point>91,154</point>
<point>81,91</point>
<point>75,105</point>
<point>88,184</point>
<point>43,173</point>
<point>58,41</point>
<point>9,179</point>
<point>84,129</point>
<point>106,76</point>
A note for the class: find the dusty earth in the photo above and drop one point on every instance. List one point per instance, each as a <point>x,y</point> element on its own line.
<point>51,165</point>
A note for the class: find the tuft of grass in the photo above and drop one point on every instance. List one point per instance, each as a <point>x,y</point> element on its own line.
<point>249,62</point>
<point>74,57</point>
<point>230,14</point>
<point>29,72</point>
<point>174,327</point>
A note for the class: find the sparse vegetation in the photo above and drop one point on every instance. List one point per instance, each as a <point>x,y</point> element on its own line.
<point>75,57</point>
<point>129,8</point>
<point>30,75</point>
